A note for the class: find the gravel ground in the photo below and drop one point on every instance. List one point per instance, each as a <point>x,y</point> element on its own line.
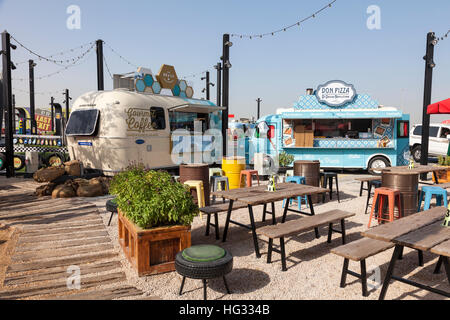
<point>313,272</point>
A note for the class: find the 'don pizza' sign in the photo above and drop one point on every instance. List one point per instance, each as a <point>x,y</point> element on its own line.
<point>335,93</point>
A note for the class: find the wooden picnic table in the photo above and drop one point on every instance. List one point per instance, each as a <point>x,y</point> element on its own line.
<point>259,195</point>
<point>422,231</point>
<point>418,169</point>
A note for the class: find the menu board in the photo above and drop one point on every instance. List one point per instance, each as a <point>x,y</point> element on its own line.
<point>288,134</point>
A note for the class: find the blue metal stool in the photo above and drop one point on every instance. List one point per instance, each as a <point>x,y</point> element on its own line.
<point>428,192</point>
<point>372,184</point>
<point>298,180</point>
<point>214,183</point>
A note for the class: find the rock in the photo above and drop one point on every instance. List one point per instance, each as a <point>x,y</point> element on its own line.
<point>45,190</point>
<point>94,189</point>
<point>48,174</point>
<point>73,168</point>
<point>63,191</point>
<point>104,181</point>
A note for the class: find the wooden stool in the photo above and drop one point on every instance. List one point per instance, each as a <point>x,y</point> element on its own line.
<point>198,185</point>
<point>393,198</point>
<point>249,174</point>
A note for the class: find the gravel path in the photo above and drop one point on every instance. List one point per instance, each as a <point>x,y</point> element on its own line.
<point>313,272</point>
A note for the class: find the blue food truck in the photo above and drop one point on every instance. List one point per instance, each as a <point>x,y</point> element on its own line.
<point>338,127</point>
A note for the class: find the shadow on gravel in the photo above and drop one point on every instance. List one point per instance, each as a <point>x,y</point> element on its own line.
<point>241,281</point>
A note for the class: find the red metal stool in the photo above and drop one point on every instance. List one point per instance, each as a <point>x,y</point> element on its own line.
<point>393,198</point>
<point>249,174</point>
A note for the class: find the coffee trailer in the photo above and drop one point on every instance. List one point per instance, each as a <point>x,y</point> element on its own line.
<point>338,127</point>
<point>109,130</point>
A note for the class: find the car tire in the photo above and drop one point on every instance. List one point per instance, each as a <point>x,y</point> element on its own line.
<point>2,161</point>
<point>19,162</point>
<point>416,152</point>
<point>54,159</point>
<point>378,162</point>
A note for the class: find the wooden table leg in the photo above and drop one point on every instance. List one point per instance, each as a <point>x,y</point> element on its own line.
<point>435,177</point>
<point>286,206</point>
<point>447,267</point>
<point>227,222</point>
<point>398,249</point>
<point>253,228</point>
<point>311,207</point>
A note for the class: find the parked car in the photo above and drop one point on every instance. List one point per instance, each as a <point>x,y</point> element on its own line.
<point>437,144</point>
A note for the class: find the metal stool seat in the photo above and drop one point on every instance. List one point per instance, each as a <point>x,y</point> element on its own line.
<point>393,199</point>
<point>111,206</point>
<point>428,192</point>
<point>248,174</point>
<point>216,182</point>
<point>300,199</point>
<point>327,179</point>
<point>371,184</point>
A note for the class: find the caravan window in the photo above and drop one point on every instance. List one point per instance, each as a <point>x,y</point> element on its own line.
<point>158,118</point>
<point>82,122</point>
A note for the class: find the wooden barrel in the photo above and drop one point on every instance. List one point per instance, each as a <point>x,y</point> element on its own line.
<point>195,171</point>
<point>232,167</point>
<point>407,184</point>
<point>311,171</point>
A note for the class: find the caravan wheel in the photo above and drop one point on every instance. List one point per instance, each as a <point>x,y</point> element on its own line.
<point>2,161</point>
<point>378,163</point>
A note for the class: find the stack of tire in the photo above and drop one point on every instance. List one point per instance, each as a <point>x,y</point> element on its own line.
<point>50,160</point>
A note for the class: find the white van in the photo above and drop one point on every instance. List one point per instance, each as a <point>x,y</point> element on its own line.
<point>108,130</point>
<point>438,142</point>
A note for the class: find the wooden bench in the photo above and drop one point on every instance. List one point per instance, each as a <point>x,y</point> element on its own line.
<point>295,227</point>
<point>223,207</point>
<point>367,180</point>
<point>359,251</point>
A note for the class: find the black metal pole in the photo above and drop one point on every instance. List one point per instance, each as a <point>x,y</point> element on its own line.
<point>207,85</point>
<point>219,83</point>
<point>429,65</point>
<point>100,79</point>
<point>1,105</point>
<point>259,107</point>
<point>14,114</point>
<point>225,87</point>
<point>7,98</point>
<point>68,98</point>
<point>31,66</point>
<point>52,121</point>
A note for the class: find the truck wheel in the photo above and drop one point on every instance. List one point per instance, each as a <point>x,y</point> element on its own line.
<point>2,161</point>
<point>55,160</point>
<point>416,152</point>
<point>378,163</point>
<point>19,162</point>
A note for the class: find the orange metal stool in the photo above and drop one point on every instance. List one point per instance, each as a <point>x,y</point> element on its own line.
<point>249,174</point>
<point>393,198</point>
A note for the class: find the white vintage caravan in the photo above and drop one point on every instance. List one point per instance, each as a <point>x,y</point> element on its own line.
<point>108,130</point>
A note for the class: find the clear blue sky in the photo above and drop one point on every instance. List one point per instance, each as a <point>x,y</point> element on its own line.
<point>386,63</point>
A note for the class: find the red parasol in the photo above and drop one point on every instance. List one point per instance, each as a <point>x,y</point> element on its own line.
<point>441,107</point>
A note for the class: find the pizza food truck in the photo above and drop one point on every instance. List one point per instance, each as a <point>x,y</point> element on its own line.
<point>338,127</point>
<point>109,130</point>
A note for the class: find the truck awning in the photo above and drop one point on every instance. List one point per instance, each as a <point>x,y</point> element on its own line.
<point>360,114</point>
<point>198,108</point>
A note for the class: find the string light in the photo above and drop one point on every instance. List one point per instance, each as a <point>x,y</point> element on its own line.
<point>120,56</point>
<point>443,37</point>
<point>38,93</point>
<point>78,61</point>
<point>49,58</point>
<point>298,23</point>
<point>194,75</point>
<point>107,67</point>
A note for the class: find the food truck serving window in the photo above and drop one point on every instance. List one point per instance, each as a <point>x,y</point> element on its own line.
<point>82,122</point>
<point>158,118</point>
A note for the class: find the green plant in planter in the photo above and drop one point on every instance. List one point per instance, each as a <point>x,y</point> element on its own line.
<point>285,159</point>
<point>152,199</point>
<point>447,161</point>
<point>441,160</point>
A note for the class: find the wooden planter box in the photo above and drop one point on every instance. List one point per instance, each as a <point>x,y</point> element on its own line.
<point>443,176</point>
<point>152,251</point>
